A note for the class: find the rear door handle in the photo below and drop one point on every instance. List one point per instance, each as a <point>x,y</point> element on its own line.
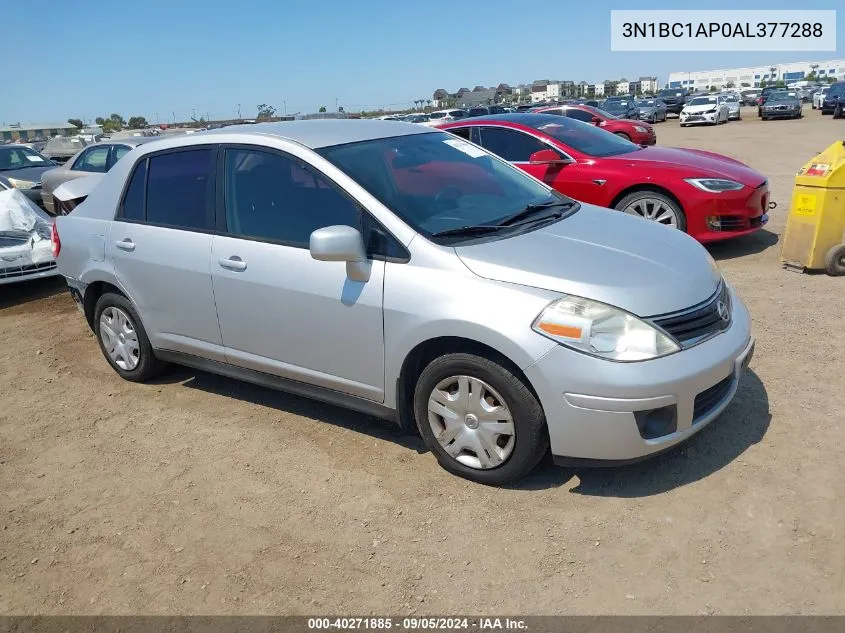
<point>125,245</point>
<point>232,263</point>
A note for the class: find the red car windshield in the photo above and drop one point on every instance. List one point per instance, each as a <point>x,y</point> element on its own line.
<point>583,137</point>
<point>599,112</point>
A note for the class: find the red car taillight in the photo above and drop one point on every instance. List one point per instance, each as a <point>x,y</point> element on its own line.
<point>54,239</point>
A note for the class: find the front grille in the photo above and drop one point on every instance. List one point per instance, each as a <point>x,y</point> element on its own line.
<point>23,271</point>
<point>711,398</point>
<point>700,322</point>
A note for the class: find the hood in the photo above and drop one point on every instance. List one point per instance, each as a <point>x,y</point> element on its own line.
<point>637,265</point>
<point>699,163</point>
<point>695,109</point>
<point>646,108</point>
<point>32,174</point>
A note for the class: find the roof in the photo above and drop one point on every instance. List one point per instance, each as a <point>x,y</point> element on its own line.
<point>530,119</point>
<point>317,133</point>
<point>26,127</point>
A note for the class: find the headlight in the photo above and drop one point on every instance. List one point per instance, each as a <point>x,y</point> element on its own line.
<point>21,184</point>
<point>714,185</point>
<point>601,330</point>
<point>640,129</point>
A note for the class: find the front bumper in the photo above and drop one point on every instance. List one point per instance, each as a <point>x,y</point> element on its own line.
<point>699,117</point>
<point>592,405</point>
<point>715,217</point>
<point>778,114</point>
<point>28,272</point>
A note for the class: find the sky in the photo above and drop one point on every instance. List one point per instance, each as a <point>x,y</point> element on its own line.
<point>166,59</point>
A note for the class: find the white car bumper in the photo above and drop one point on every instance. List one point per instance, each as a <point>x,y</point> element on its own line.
<point>699,117</point>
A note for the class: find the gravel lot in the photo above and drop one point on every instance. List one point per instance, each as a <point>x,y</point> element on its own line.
<point>198,494</point>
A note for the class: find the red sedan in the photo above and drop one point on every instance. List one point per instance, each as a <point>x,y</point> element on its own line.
<point>709,196</point>
<point>637,132</point>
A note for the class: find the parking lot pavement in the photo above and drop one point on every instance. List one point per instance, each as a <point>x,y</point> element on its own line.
<point>197,494</point>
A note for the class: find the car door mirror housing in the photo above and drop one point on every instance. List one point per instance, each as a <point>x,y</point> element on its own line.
<point>595,120</point>
<point>341,244</point>
<point>547,157</point>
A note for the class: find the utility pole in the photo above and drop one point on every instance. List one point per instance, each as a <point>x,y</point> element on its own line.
<point>174,117</point>
<point>156,118</point>
<point>239,110</point>
<point>285,105</point>
<point>194,110</point>
<point>335,104</point>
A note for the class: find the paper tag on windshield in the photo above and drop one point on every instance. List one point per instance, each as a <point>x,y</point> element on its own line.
<point>35,159</point>
<point>467,148</point>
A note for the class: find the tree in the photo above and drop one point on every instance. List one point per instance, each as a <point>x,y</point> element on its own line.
<point>763,83</point>
<point>730,84</point>
<point>811,76</point>
<point>428,103</point>
<point>117,120</point>
<point>322,109</point>
<point>137,122</point>
<point>76,122</point>
<point>745,84</point>
<point>99,120</point>
<point>265,111</point>
<point>713,88</point>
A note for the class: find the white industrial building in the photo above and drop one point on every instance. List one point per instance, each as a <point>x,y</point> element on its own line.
<point>753,75</point>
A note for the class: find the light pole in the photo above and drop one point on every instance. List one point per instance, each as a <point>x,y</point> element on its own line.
<point>239,110</point>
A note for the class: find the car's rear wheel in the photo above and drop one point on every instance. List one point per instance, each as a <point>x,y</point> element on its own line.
<point>623,135</point>
<point>123,340</point>
<point>480,420</point>
<point>654,206</point>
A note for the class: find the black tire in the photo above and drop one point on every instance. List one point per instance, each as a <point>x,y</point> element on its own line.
<point>650,193</point>
<point>148,365</point>
<point>837,112</point>
<point>834,261</point>
<point>531,441</point>
<point>623,135</point>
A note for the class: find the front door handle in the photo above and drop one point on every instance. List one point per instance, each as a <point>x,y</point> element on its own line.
<point>125,245</point>
<point>232,263</point>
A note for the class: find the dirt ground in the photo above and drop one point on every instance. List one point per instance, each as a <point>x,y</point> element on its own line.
<point>199,494</point>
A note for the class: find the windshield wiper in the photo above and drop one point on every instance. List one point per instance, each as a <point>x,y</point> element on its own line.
<point>469,230</point>
<point>532,209</point>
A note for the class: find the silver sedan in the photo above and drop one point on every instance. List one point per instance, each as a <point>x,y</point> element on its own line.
<point>97,158</point>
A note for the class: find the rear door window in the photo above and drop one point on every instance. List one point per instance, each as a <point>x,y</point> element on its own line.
<point>512,145</point>
<point>174,189</point>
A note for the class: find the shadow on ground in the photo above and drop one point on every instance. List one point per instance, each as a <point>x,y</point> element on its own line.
<point>25,291</point>
<point>297,405</point>
<point>743,246</point>
<point>743,424</point>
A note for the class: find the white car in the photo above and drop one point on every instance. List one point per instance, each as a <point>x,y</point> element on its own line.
<point>818,97</point>
<point>734,103</point>
<point>445,116</point>
<point>709,109</point>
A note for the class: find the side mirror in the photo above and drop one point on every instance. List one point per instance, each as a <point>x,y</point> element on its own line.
<point>547,157</point>
<point>595,120</point>
<point>341,244</point>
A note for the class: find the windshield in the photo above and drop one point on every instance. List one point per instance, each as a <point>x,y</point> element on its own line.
<point>437,115</point>
<point>12,157</point>
<point>703,101</point>
<point>615,105</point>
<point>584,138</point>
<point>782,96</point>
<point>835,89</point>
<point>671,93</point>
<point>437,182</point>
<point>64,144</point>
<point>644,103</point>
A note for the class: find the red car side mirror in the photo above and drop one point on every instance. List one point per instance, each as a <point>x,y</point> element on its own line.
<point>547,157</point>
<point>595,120</point>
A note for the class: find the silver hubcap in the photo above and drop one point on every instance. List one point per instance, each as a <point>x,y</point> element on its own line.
<point>471,422</point>
<point>653,209</point>
<point>119,338</point>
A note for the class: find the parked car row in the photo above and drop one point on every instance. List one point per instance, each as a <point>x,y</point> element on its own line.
<point>419,277</point>
<point>833,101</point>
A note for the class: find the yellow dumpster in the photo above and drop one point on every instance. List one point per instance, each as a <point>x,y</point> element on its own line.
<point>815,228</point>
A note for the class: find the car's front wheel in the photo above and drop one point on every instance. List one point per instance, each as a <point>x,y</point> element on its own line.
<point>623,135</point>
<point>480,420</point>
<point>654,206</point>
<point>122,338</point>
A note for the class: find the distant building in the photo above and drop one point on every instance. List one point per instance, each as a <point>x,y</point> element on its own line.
<point>755,75</point>
<point>649,85</point>
<point>27,132</point>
